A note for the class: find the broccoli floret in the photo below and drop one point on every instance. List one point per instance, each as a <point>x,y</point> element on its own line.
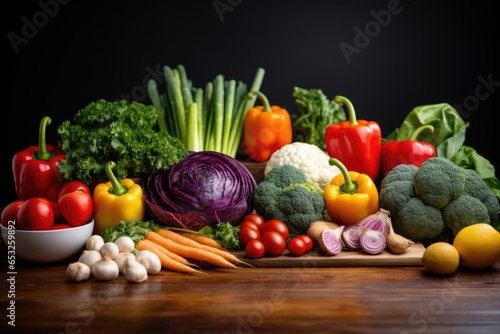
<point>396,188</point>
<point>436,200</point>
<point>476,187</point>
<point>302,204</point>
<point>285,176</point>
<point>438,181</point>
<point>285,195</point>
<point>399,173</point>
<point>418,221</point>
<point>463,211</point>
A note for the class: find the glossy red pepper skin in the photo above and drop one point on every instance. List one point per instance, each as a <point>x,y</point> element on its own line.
<point>409,152</point>
<point>37,178</point>
<point>356,143</point>
<point>36,169</point>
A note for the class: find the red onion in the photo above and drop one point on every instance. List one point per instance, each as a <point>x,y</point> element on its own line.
<point>373,242</point>
<point>330,240</point>
<point>351,235</point>
<point>376,222</point>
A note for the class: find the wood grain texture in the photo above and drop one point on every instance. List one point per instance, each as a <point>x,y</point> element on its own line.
<point>385,300</point>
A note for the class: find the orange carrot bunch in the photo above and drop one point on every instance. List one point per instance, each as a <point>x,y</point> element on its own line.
<point>176,249</point>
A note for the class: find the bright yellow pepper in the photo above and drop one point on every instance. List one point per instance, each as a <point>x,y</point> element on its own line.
<point>351,196</point>
<point>115,201</point>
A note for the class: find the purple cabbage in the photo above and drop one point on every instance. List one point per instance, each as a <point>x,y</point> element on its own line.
<point>203,189</point>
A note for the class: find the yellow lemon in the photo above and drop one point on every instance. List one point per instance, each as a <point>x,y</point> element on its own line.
<point>441,258</point>
<point>478,245</point>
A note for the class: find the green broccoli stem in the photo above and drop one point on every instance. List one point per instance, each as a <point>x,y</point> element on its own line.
<point>419,130</point>
<point>116,187</point>
<point>350,108</point>
<point>262,98</point>
<point>349,186</point>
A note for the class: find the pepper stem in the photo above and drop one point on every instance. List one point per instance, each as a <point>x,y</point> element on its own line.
<point>116,187</point>
<point>350,108</point>
<point>43,153</point>
<point>262,98</point>
<point>349,186</point>
<point>419,130</point>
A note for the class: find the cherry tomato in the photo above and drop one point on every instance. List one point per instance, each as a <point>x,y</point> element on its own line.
<point>255,249</point>
<point>274,243</point>
<point>308,241</point>
<point>278,226</point>
<point>256,218</point>
<point>250,224</point>
<point>297,246</point>
<point>246,234</point>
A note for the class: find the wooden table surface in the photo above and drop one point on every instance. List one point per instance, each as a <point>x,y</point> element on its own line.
<point>305,299</point>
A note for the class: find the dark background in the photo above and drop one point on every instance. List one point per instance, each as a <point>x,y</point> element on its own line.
<point>430,52</point>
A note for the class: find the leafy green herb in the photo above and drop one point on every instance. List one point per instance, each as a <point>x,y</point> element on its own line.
<point>134,229</point>
<point>116,131</point>
<point>315,112</point>
<point>224,233</point>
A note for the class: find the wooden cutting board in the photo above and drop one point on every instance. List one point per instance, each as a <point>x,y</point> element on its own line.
<point>313,259</point>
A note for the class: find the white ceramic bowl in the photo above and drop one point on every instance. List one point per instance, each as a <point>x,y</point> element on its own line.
<point>47,246</point>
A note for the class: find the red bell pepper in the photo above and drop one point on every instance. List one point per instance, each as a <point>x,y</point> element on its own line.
<point>410,151</point>
<point>356,143</point>
<point>36,169</point>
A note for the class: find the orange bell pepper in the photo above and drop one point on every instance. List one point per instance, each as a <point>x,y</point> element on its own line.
<point>267,128</point>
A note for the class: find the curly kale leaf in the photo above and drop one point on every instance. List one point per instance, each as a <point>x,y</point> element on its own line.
<point>116,131</point>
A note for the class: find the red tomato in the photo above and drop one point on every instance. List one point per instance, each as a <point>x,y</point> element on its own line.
<point>61,226</point>
<point>250,224</point>
<point>72,186</point>
<point>274,243</point>
<point>76,207</point>
<point>276,225</point>
<point>308,241</point>
<point>246,234</point>
<point>58,218</point>
<point>36,213</point>
<point>256,218</point>
<point>297,246</point>
<point>255,249</point>
<point>9,213</point>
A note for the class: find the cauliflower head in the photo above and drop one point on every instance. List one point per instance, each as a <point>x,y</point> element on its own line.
<point>309,158</point>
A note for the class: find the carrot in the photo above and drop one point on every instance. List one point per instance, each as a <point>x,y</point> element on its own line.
<point>204,240</point>
<point>166,261</point>
<point>189,252</point>
<point>186,241</point>
<point>171,255</point>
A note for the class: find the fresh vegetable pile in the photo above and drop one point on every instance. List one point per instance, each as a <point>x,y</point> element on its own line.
<point>167,192</point>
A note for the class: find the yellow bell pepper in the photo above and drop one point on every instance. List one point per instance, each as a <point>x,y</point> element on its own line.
<point>350,196</point>
<point>115,201</point>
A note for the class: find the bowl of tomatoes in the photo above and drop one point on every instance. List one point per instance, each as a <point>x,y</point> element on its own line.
<point>45,246</point>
